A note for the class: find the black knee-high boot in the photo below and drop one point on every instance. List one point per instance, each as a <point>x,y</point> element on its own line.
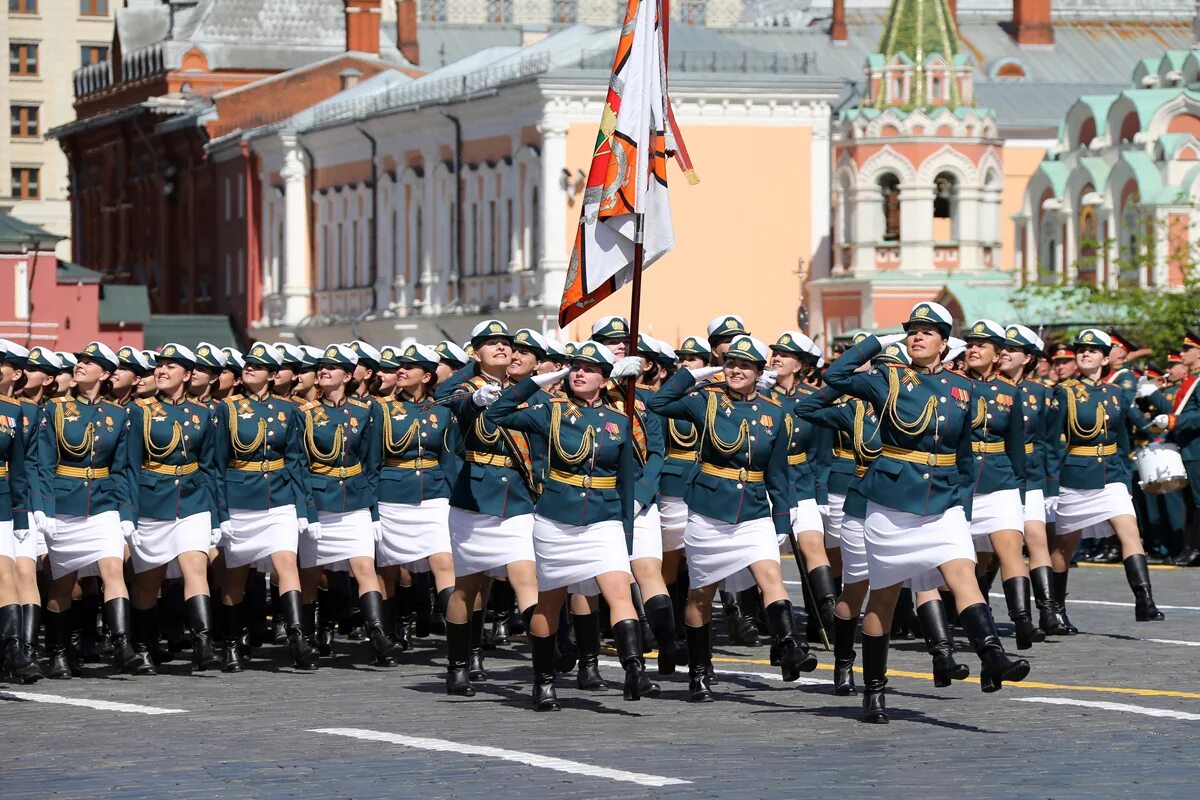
<point>544,696</point>
<point>1017,593</point>
<point>935,628</point>
<point>14,663</point>
<point>699,658</point>
<point>478,672</point>
<point>627,634</point>
<point>997,665</point>
<point>231,651</point>
<point>326,621</point>
<point>308,622</point>
<point>566,652</point>
<point>821,581</point>
<point>950,605</point>
<point>1138,575</point>
<point>297,621</point>
<point>145,638</point>
<point>843,656</point>
<point>253,614</point>
<point>57,643</point>
<point>747,607</point>
<point>382,650</point>
<point>1060,599</point>
<point>31,623</point>
<point>662,621</point>
<point>500,602</point>
<point>403,627</point>
<point>587,641</point>
<point>88,609</point>
<point>199,616</point>
<point>678,593</point>
<point>875,654</point>
<point>635,594</point>
<point>794,655</point>
<point>117,620</point>
<point>278,623</point>
<point>1041,580</point>
<point>458,654</point>
<point>421,604</point>
<point>902,616</point>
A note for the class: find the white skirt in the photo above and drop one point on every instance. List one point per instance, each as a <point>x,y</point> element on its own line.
<point>343,536</point>
<point>647,534</point>
<point>835,512</point>
<point>1101,530</point>
<point>854,550</point>
<point>412,533</point>
<point>902,546</point>
<point>806,516</point>
<point>1083,508</point>
<point>487,544</point>
<point>258,534</point>
<point>81,541</point>
<point>673,513</point>
<point>162,540</point>
<point>716,550</point>
<point>1035,505</point>
<point>572,555</point>
<point>997,511</point>
<point>34,546</point>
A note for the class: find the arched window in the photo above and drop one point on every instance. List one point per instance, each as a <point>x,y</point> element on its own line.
<point>889,189</point>
<point>1089,248</point>
<point>945,207</point>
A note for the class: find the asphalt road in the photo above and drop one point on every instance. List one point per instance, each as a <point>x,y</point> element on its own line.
<point>1113,712</point>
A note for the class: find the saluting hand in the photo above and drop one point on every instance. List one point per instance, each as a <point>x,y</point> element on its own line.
<point>703,373</point>
<point>627,367</point>
<point>1145,388</point>
<point>487,394</point>
<point>891,338</point>
<point>766,381</point>
<point>551,378</point>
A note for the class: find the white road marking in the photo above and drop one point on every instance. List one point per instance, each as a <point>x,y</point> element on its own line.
<point>532,759</point>
<point>1102,704</point>
<point>766,676</point>
<point>1073,602</point>
<point>99,705</point>
<point>1173,641</point>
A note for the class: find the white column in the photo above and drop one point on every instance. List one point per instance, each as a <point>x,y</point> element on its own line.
<point>553,205</point>
<point>297,291</point>
<point>867,227</point>
<point>970,254</point>
<point>1031,252</point>
<point>1070,246</point>
<point>820,166</point>
<point>434,221</point>
<point>1161,244</point>
<point>385,248</point>
<point>916,227</point>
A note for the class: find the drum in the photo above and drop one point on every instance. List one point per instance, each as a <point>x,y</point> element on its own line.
<point>1161,468</point>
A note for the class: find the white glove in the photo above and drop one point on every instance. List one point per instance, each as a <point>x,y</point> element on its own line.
<point>551,377</point>
<point>487,394</point>
<point>1162,422</point>
<point>824,510</point>
<point>21,534</point>
<point>314,531</point>
<point>226,529</point>
<point>47,525</point>
<point>892,338</point>
<point>302,522</point>
<point>703,373</point>
<point>131,534</point>
<point>627,367</point>
<point>638,508</point>
<point>377,528</point>
<point>1146,388</point>
<point>766,381</point>
<point>214,538</point>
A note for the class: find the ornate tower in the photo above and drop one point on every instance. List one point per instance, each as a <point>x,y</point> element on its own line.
<point>917,176</point>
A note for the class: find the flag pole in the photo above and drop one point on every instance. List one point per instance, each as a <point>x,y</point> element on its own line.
<point>635,307</point>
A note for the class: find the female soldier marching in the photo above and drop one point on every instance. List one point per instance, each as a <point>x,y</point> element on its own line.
<point>916,490</point>
<point>86,482</point>
<point>420,460</point>
<point>341,438</point>
<point>582,523</point>
<point>263,470</point>
<point>998,442</point>
<point>739,500</point>
<point>171,450</point>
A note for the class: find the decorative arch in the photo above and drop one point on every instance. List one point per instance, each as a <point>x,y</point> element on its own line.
<point>949,160</point>
<point>992,170</point>
<point>194,60</point>
<point>1180,114</point>
<point>885,160</point>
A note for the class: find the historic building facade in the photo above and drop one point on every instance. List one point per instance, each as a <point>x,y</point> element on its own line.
<point>1114,202</point>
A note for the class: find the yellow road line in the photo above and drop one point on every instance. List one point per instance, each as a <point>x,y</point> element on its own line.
<point>1022,685</point>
